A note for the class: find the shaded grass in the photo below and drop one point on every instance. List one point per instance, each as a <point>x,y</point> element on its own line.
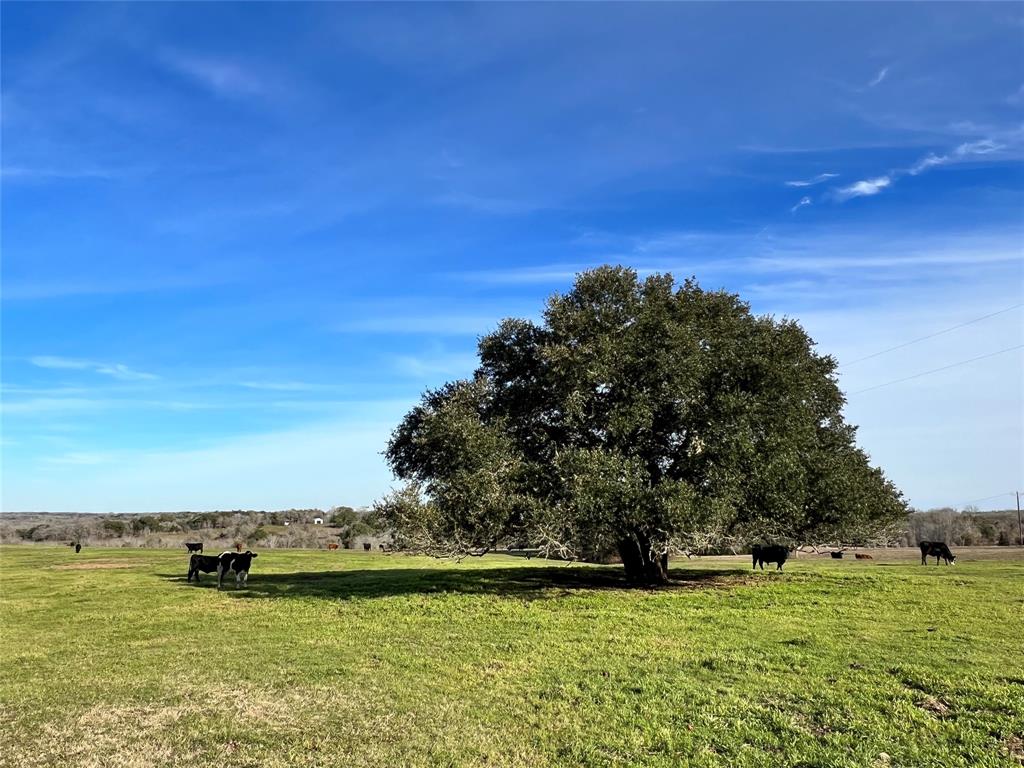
<point>364,659</point>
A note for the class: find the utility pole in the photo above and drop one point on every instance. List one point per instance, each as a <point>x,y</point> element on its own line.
<point>1020,528</point>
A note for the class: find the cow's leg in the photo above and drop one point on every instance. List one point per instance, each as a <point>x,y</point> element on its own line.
<point>220,575</point>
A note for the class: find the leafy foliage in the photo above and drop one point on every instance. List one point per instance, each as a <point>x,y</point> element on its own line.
<point>642,418</point>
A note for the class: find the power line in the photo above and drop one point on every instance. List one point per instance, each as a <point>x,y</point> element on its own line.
<point>988,498</point>
<point>932,335</point>
<point>936,370</point>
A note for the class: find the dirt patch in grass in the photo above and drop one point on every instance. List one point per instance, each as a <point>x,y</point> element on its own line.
<point>158,734</point>
<point>90,566</point>
<point>1014,747</point>
<point>934,706</point>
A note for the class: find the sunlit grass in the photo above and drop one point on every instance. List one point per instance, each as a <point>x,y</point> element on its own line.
<point>344,659</point>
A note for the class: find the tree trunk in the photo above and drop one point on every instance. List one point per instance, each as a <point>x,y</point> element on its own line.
<point>642,566</point>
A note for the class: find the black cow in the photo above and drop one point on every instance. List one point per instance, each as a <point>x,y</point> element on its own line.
<point>239,562</point>
<point>772,553</point>
<point>204,563</point>
<point>936,549</point>
<point>194,546</point>
<point>78,548</point>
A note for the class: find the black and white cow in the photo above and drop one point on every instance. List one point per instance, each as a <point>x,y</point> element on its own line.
<point>936,549</point>
<point>772,553</point>
<point>239,562</point>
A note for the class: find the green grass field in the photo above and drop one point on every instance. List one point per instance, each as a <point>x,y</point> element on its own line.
<point>339,659</point>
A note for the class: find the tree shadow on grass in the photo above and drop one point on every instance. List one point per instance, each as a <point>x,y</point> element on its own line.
<point>535,582</point>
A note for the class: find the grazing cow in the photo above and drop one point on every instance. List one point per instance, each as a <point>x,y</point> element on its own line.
<point>836,555</point>
<point>78,548</point>
<point>332,546</point>
<point>367,545</point>
<point>237,562</point>
<point>863,556</point>
<point>203,563</point>
<point>194,546</point>
<point>772,553</point>
<point>936,549</point>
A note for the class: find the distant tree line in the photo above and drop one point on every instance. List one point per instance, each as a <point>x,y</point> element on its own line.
<point>348,526</point>
<point>967,528</point>
<point>282,528</point>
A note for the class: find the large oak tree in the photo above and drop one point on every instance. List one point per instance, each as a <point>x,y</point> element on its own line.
<point>643,418</point>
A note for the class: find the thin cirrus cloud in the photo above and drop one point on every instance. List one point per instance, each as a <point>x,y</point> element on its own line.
<point>279,386</point>
<point>220,76</point>
<point>114,370</point>
<point>864,188</point>
<point>803,201</point>
<point>877,80</point>
<point>969,149</point>
<point>820,178</point>
<point>965,151</point>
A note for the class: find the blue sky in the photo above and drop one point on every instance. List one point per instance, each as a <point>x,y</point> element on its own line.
<point>240,240</point>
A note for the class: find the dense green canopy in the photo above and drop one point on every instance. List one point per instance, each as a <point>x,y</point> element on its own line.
<point>643,418</point>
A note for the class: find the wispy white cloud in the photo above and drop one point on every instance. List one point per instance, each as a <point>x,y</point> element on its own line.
<point>223,77</point>
<point>79,458</point>
<point>543,274</point>
<point>741,256</point>
<point>502,206</point>
<point>440,323</point>
<point>821,177</point>
<point>982,147</point>
<point>926,162</point>
<point>43,405</point>
<point>436,365</point>
<point>279,386</point>
<point>33,290</point>
<point>864,188</point>
<point>882,74</point>
<point>803,201</point>
<point>271,470</point>
<point>963,152</point>
<point>114,370</point>
<point>53,173</point>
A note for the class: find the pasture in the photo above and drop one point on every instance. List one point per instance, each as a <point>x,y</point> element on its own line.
<point>108,658</point>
